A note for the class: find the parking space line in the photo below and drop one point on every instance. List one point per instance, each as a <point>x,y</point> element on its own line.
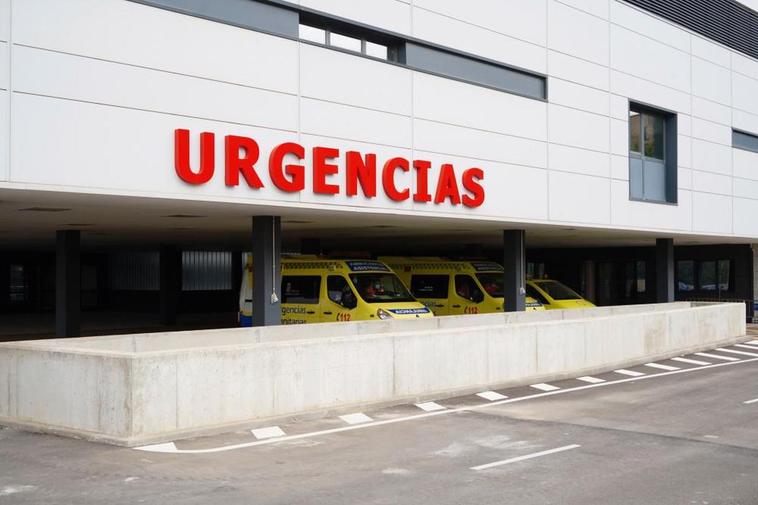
<point>357,418</point>
<point>662,367</point>
<point>544,387</point>
<point>269,432</point>
<point>491,395</point>
<point>430,406</point>
<point>745,346</point>
<point>523,458</point>
<point>755,400</point>
<point>751,354</point>
<point>754,342</point>
<point>630,373</point>
<point>170,447</point>
<point>690,361</point>
<point>716,356</point>
<point>591,380</point>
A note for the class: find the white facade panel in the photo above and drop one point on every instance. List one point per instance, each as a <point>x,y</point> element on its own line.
<point>711,157</point>
<point>619,107</point>
<point>745,165</point>
<point>345,78</point>
<point>576,70</point>
<point>458,141</point>
<point>712,111</point>
<point>107,29</point>
<point>712,132</point>
<point>684,177</point>
<point>711,81</point>
<point>620,167</point>
<point>4,135</point>
<point>454,102</point>
<point>684,151</point>
<point>619,137</point>
<point>707,50</point>
<point>579,97</point>
<point>580,161</point>
<point>72,77</point>
<point>709,182</point>
<point>5,62</point>
<point>654,61</point>
<point>745,89</point>
<point>594,7</point>
<point>388,14</point>
<point>744,65</point>
<point>578,128</point>
<point>521,191</point>
<point>745,121</point>
<point>446,31</point>
<point>577,33</point>
<point>650,92</point>
<point>649,26</point>
<point>626,212</point>
<point>521,19</point>
<point>745,224</point>
<point>579,198</point>
<point>354,123</point>
<point>746,188</point>
<point>5,20</point>
<point>711,213</point>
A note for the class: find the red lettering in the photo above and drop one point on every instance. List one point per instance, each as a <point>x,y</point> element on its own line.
<point>296,180</point>
<point>471,184</point>
<point>181,157</point>
<point>422,177</point>
<point>245,164</point>
<point>388,179</point>
<point>360,170</point>
<point>322,169</point>
<point>447,186</point>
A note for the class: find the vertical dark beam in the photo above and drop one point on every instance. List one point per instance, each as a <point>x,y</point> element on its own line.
<point>266,270</point>
<point>236,273</point>
<point>67,283</point>
<point>664,270</point>
<point>170,282</point>
<point>514,276</point>
<point>310,246</point>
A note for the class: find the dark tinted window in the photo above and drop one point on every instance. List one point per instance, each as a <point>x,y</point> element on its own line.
<point>301,288</point>
<point>492,282</point>
<point>338,290</point>
<point>380,288</point>
<point>685,275</point>
<point>533,293</point>
<point>465,287</point>
<point>558,291</point>
<point>429,286</point>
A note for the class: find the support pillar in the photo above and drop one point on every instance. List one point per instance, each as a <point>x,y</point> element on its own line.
<point>266,270</point>
<point>664,270</point>
<point>170,283</point>
<point>67,283</point>
<point>514,277</point>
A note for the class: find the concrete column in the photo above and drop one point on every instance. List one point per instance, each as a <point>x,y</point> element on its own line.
<point>170,282</point>
<point>67,283</point>
<point>310,246</point>
<point>266,270</point>
<point>664,270</point>
<point>514,277</point>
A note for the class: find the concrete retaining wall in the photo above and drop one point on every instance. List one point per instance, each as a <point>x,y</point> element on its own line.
<point>137,389</point>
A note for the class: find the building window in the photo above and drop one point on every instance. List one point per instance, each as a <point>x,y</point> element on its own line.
<point>17,292</point>
<point>745,141</point>
<point>327,36</point>
<point>707,276</point>
<point>301,289</point>
<point>685,275</point>
<point>652,155</point>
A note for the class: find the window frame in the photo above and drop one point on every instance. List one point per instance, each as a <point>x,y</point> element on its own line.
<point>670,148</point>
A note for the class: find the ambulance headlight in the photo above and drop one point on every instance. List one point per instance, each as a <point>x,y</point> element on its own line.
<point>383,314</point>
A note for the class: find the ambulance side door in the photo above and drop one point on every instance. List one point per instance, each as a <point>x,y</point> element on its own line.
<point>340,302</point>
<point>300,298</point>
<point>466,297</point>
<point>432,290</point>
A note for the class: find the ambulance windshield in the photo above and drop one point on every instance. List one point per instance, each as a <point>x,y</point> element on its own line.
<point>380,288</point>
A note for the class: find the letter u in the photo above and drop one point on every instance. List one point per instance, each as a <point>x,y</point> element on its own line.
<point>182,157</point>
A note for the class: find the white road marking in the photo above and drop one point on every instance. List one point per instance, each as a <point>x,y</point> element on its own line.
<point>357,418</point>
<point>662,367</point>
<point>171,447</point>
<point>591,380</point>
<point>430,406</point>
<point>691,361</point>
<point>269,432</point>
<point>751,401</point>
<point>745,346</point>
<point>528,456</point>
<point>755,342</point>
<point>491,395</point>
<point>630,373</point>
<point>751,354</point>
<point>544,387</point>
<point>716,356</point>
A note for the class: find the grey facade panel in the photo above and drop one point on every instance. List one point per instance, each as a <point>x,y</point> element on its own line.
<point>725,21</point>
<point>745,141</point>
<point>440,62</point>
<point>243,13</point>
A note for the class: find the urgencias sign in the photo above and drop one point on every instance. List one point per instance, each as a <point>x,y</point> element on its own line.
<point>359,171</point>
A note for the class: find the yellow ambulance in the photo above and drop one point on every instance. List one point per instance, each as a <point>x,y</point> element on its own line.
<point>555,295</point>
<point>450,287</point>
<point>319,290</point>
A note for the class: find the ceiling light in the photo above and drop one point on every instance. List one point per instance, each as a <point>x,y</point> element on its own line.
<point>43,209</point>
